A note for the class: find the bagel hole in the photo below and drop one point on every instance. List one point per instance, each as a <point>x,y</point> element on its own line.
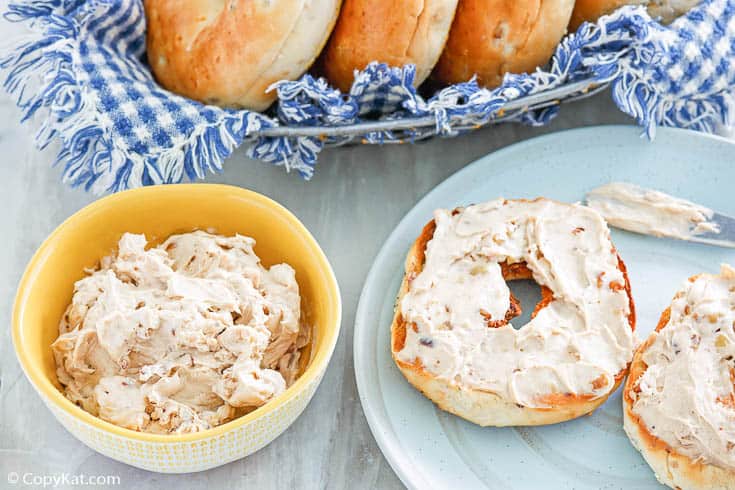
<point>528,293</point>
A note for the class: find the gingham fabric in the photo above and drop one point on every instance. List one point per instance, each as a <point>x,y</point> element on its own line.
<point>81,74</point>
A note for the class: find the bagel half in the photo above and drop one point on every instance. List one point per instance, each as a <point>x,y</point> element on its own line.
<point>395,32</point>
<point>591,10</point>
<point>490,38</point>
<point>671,468</point>
<point>228,52</point>
<point>478,406</point>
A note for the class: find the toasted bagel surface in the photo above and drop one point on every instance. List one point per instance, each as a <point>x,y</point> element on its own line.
<point>395,32</point>
<point>591,10</point>
<point>229,52</point>
<point>702,463</point>
<point>476,403</point>
<point>490,38</point>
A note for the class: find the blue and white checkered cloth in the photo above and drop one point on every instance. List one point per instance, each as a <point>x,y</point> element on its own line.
<point>81,73</point>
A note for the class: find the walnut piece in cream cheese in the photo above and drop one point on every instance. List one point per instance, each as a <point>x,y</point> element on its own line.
<point>686,396</point>
<point>634,208</point>
<point>181,337</point>
<point>576,344</point>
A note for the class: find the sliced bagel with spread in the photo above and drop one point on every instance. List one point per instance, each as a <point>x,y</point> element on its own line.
<point>452,336</point>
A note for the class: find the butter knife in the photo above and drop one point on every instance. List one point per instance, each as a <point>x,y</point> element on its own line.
<point>650,212</point>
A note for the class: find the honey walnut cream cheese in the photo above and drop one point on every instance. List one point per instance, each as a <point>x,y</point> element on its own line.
<point>182,337</point>
<point>685,395</point>
<point>579,342</point>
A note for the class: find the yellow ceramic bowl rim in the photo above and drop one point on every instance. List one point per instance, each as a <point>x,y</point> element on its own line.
<point>50,392</point>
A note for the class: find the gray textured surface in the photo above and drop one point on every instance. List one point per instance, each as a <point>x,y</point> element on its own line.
<point>355,199</point>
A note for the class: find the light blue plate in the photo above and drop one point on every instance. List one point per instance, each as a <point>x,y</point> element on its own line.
<point>429,448</point>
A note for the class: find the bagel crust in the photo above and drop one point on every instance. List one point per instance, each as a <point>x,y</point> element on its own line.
<point>229,52</point>
<point>482,406</point>
<point>665,10</point>
<point>395,32</point>
<point>665,456</point>
<point>490,38</point>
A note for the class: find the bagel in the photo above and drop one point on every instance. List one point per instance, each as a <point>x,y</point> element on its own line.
<point>679,400</point>
<point>490,38</point>
<point>395,32</point>
<point>229,52</point>
<point>665,10</point>
<point>451,335</point>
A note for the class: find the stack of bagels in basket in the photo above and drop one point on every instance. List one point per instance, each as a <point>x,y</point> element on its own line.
<point>229,52</point>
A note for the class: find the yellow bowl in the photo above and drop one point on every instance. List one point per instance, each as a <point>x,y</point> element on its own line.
<point>47,285</point>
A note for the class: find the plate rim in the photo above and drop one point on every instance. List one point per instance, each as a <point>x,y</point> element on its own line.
<point>377,425</point>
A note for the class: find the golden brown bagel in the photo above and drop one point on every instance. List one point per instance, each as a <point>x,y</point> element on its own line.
<point>396,32</point>
<point>671,467</point>
<point>591,10</point>
<point>228,52</point>
<point>492,37</point>
<point>482,407</point>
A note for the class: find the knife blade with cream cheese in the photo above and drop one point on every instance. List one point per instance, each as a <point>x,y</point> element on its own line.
<point>650,212</point>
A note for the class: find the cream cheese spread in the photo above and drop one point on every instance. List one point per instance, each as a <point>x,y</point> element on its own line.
<point>180,337</point>
<point>686,396</point>
<point>634,208</point>
<point>577,344</point>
